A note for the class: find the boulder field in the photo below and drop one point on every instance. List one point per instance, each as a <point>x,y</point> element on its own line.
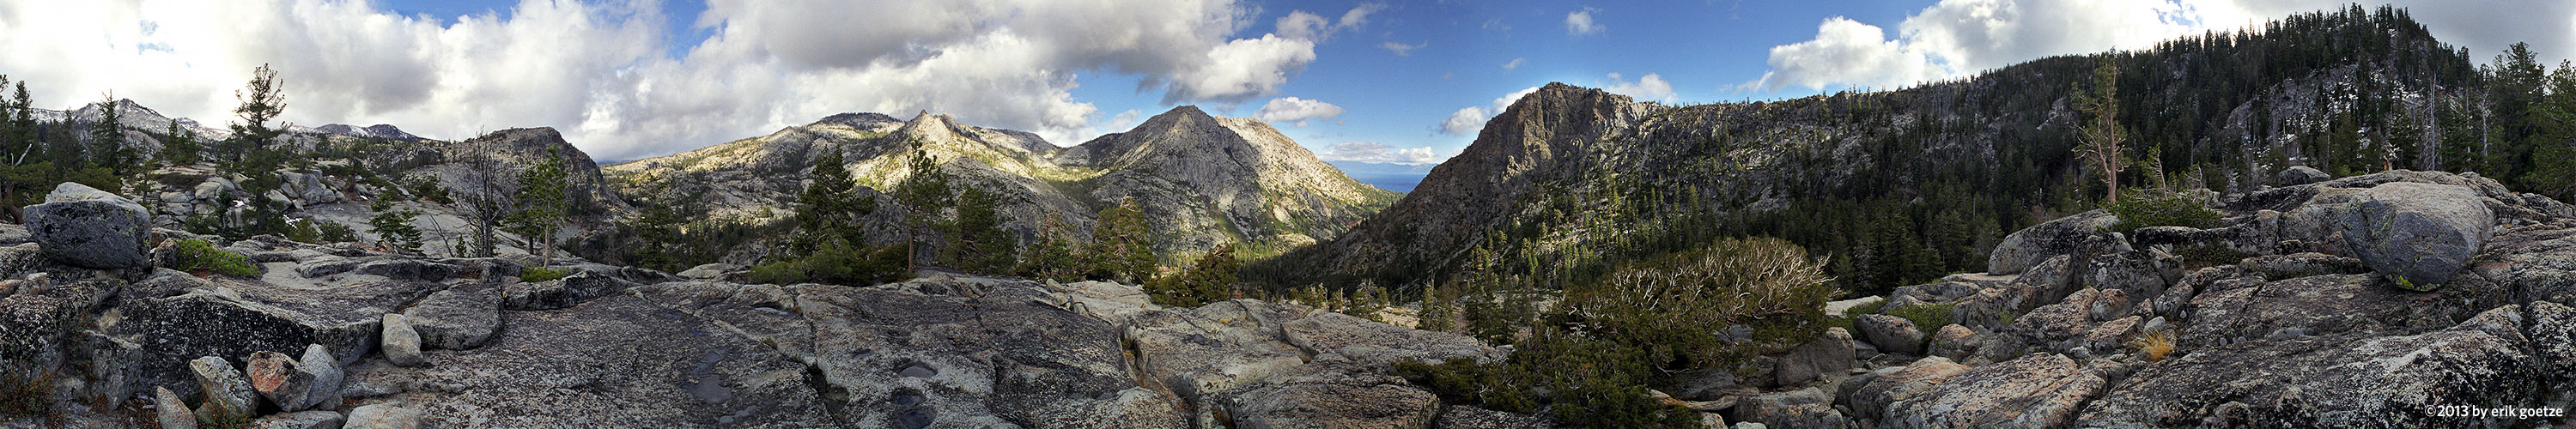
<point>346,336</point>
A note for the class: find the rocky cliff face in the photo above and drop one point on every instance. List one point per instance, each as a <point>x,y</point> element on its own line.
<point>452,342</point>
<point>1203,180</point>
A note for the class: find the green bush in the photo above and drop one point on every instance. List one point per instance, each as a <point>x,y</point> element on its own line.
<point>2153,207</point>
<point>1584,382</point>
<point>835,263</point>
<point>1870,308</point>
<point>1210,280</point>
<point>539,274</point>
<point>1927,317</point>
<point>1677,306</point>
<point>199,254</point>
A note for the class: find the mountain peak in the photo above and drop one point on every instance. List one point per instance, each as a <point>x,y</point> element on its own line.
<point>861,120</point>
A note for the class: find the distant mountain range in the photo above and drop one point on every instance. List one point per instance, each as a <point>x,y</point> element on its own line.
<point>1202,180</point>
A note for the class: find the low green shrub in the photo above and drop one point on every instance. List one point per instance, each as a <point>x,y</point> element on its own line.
<point>836,264</point>
<point>539,274</point>
<point>2154,207</point>
<point>199,254</point>
<point>1870,308</point>
<point>1927,317</point>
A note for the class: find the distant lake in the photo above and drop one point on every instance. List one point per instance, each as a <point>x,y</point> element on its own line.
<point>1392,177</point>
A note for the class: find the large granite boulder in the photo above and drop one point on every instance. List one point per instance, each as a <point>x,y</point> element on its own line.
<point>2419,234</point>
<point>2041,390</point>
<point>560,293</point>
<point>80,226</point>
<point>1380,343</point>
<point>179,328</point>
<point>2354,379</point>
<point>614,362</point>
<point>35,325</point>
<point>1332,394</point>
<point>2029,246</point>
<point>458,318</point>
<point>1828,353</point>
<point>1888,387</point>
<point>2237,311</point>
<point>2299,175</point>
<point>1809,408</point>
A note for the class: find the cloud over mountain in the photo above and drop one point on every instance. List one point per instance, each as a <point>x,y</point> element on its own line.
<point>605,72</point>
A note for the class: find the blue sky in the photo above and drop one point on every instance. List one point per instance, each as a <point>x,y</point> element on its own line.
<point>633,78</point>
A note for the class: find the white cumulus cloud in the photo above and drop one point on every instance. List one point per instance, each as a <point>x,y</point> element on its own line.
<point>1402,50</point>
<point>1650,87</point>
<point>1514,63</point>
<point>1468,120</point>
<point>1578,23</point>
<point>1357,151</point>
<point>1296,110</point>
<point>603,72</point>
<point>1958,37</point>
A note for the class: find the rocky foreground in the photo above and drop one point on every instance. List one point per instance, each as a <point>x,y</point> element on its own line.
<point>2386,300</point>
<point>341,335</point>
<point>2397,299</point>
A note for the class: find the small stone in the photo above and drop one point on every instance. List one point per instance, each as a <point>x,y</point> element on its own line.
<point>1955,341</point>
<point>1890,333</point>
<point>2299,175</point>
<point>382,416</point>
<point>227,393</point>
<point>402,345</point>
<point>299,420</point>
<point>275,377</point>
<point>324,371</point>
<point>172,412</point>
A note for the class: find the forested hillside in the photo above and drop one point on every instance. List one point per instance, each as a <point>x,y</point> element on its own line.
<point>1900,187</point>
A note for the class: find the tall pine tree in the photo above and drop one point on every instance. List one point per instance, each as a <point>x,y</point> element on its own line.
<point>923,193</point>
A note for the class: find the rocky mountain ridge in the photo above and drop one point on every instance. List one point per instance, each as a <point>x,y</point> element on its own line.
<point>1201,180</point>
<point>1987,154</point>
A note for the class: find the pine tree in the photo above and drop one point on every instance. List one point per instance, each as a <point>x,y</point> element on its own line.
<point>543,204</point>
<point>394,228</point>
<point>923,193</point>
<point>260,103</point>
<point>2553,140</point>
<point>2101,147</point>
<point>108,134</point>
<point>983,245</point>
<point>1053,258</point>
<point>658,230</point>
<point>182,148</point>
<point>1208,280</point>
<point>827,210</point>
<point>2462,150</point>
<point>1122,249</point>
